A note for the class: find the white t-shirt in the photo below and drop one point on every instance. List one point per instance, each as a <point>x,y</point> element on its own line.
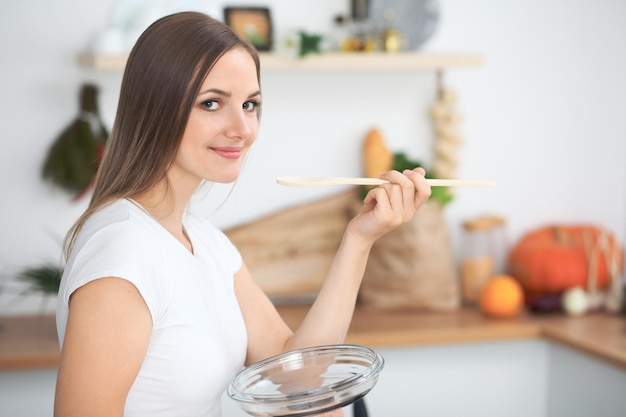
<point>198,339</point>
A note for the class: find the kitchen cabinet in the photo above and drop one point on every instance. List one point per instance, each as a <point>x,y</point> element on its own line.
<point>500,378</point>
<point>27,393</point>
<point>508,378</point>
<point>491,379</point>
<point>443,364</point>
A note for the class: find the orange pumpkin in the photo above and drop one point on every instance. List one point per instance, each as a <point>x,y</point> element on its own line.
<point>553,259</point>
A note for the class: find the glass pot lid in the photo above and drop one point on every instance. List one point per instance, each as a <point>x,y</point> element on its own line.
<point>306,381</point>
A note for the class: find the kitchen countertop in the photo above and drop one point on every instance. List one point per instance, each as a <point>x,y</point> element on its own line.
<point>30,342</point>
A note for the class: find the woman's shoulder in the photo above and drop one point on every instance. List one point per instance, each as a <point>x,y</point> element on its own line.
<point>117,241</point>
<point>120,220</point>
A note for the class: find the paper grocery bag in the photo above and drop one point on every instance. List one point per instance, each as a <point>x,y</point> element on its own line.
<point>413,266</point>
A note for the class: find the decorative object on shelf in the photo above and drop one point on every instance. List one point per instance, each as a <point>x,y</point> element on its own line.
<point>362,34</point>
<point>445,119</point>
<point>359,9</point>
<point>309,43</point>
<point>251,23</point>
<point>299,44</point>
<point>415,19</point>
<point>392,38</point>
<point>339,33</point>
<point>72,161</point>
<point>349,35</point>
<point>359,41</point>
<point>552,259</point>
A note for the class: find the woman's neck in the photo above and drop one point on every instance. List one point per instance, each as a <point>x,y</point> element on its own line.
<point>167,208</point>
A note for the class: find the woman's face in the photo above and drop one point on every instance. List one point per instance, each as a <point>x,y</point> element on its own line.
<point>223,122</point>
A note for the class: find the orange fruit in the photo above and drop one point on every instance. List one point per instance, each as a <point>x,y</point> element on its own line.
<point>502,296</point>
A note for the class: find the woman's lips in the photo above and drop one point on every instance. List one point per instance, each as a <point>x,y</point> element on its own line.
<point>228,152</point>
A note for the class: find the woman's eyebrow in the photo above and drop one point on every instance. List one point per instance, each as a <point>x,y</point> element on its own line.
<point>226,94</point>
<point>215,91</point>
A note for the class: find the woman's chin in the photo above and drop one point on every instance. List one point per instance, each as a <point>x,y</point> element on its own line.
<point>224,179</point>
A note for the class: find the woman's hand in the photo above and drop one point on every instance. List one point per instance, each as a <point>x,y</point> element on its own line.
<point>390,205</point>
<point>385,207</point>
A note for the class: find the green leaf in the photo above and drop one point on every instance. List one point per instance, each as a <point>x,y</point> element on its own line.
<point>309,43</point>
<point>44,278</point>
<point>72,160</point>
<point>441,195</point>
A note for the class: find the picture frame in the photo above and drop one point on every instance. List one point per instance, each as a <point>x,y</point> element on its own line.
<point>253,24</point>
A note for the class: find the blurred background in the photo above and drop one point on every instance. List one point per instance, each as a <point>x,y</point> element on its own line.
<point>543,116</point>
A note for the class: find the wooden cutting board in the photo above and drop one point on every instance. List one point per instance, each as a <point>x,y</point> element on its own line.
<point>289,252</point>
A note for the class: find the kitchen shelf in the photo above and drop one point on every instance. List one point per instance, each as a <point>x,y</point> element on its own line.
<point>329,61</point>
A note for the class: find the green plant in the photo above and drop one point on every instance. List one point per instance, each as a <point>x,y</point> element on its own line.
<point>442,195</point>
<point>44,278</point>
<point>309,43</point>
<point>72,160</point>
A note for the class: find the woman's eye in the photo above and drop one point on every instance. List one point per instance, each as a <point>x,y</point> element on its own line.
<point>210,105</point>
<point>250,105</point>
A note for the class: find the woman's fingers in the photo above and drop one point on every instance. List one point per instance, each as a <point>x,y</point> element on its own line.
<point>423,190</point>
<point>413,189</point>
<point>391,204</point>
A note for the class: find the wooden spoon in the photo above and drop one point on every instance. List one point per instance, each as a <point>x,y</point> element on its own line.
<point>326,181</point>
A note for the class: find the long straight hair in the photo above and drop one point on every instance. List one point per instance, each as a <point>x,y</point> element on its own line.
<point>162,78</point>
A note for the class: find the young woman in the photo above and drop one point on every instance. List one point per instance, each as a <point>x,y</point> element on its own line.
<point>157,311</point>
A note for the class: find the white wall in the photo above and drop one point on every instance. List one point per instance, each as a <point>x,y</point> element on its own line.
<point>544,118</point>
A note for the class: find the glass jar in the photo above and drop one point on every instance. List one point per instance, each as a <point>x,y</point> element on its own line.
<point>483,254</point>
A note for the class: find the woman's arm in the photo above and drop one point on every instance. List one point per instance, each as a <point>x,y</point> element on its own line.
<point>106,339</point>
<point>327,322</point>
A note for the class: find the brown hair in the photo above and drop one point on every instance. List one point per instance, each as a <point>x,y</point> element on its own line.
<point>163,75</point>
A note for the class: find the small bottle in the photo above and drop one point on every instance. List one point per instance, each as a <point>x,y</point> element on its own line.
<point>391,37</point>
<point>483,254</point>
<point>340,34</point>
<point>362,35</point>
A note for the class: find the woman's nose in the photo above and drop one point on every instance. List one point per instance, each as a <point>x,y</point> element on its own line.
<point>241,124</point>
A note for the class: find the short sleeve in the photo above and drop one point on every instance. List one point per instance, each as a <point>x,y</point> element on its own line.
<point>121,250</point>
